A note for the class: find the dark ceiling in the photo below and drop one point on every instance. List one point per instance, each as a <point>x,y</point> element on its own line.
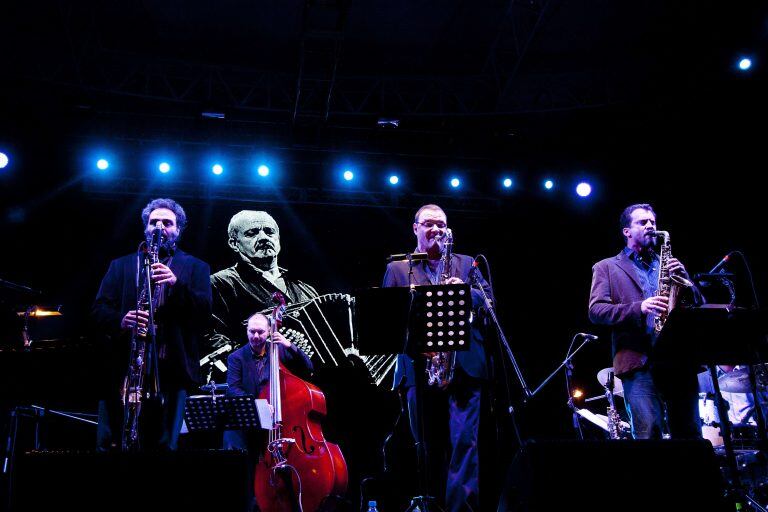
<point>535,81</point>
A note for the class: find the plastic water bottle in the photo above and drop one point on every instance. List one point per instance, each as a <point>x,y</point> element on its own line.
<point>372,506</point>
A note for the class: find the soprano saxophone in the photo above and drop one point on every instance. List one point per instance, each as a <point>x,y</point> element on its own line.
<point>440,365</point>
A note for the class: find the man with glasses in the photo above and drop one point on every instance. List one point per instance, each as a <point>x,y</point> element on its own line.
<point>451,415</point>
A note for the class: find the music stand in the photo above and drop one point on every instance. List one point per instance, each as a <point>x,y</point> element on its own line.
<point>698,335</point>
<point>430,319</point>
<point>212,413</point>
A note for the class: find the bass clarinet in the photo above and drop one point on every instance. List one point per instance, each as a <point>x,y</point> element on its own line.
<point>143,347</point>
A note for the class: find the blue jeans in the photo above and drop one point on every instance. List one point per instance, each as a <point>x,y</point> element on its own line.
<point>644,405</point>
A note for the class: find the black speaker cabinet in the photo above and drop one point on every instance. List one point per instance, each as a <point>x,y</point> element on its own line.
<point>204,481</point>
<point>614,475</point>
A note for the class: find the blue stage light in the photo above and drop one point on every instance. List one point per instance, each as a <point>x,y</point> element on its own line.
<point>745,63</point>
<point>455,182</point>
<point>217,169</point>
<point>164,167</point>
<point>102,164</point>
<point>507,182</point>
<point>394,180</point>
<point>349,175</point>
<point>583,189</point>
<point>3,160</point>
<point>263,170</point>
<point>549,184</point>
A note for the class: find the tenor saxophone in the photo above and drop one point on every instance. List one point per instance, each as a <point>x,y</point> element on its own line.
<point>441,365</point>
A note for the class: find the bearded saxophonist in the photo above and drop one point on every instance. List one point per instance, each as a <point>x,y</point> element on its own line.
<point>632,293</point>
<point>452,407</point>
<point>183,310</point>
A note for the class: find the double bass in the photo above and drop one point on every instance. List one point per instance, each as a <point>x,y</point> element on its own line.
<point>299,468</point>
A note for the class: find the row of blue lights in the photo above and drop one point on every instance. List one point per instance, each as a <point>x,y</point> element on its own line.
<point>583,189</point>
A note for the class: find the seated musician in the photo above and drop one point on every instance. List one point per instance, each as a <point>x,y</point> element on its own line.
<point>248,374</point>
<point>741,405</point>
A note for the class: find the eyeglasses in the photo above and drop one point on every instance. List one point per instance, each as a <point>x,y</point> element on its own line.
<point>429,224</point>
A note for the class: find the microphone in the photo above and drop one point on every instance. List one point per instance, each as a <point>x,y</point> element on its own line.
<point>587,336</point>
<point>157,234</point>
<point>413,256</point>
<point>721,263</point>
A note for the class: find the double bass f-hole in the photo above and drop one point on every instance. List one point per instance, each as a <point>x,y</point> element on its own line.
<point>301,442</point>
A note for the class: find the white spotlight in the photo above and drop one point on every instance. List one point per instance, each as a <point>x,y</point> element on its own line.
<point>102,164</point>
<point>263,170</point>
<point>349,175</point>
<point>745,63</point>
<point>217,169</point>
<point>164,167</point>
<point>583,189</point>
<point>3,160</point>
<point>455,182</point>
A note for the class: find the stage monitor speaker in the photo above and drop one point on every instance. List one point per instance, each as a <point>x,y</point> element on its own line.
<point>614,475</point>
<point>204,481</point>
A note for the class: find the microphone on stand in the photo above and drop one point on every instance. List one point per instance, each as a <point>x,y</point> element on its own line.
<point>157,234</point>
<point>721,263</point>
<point>408,256</point>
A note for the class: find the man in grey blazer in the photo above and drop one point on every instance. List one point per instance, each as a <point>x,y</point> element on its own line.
<point>623,296</point>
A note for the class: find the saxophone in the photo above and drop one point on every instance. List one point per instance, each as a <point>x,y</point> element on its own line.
<point>668,285</point>
<point>440,365</point>
<point>133,390</point>
<point>615,430</point>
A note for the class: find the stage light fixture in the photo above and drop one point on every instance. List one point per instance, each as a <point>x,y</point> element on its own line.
<point>394,179</point>
<point>549,184</point>
<point>455,182</point>
<point>507,182</point>
<point>263,170</point>
<point>3,160</point>
<point>164,167</point>
<point>217,169</point>
<point>745,63</point>
<point>583,189</point>
<point>102,164</point>
<point>349,175</point>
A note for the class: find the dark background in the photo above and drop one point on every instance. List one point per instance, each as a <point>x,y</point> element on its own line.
<point>643,100</point>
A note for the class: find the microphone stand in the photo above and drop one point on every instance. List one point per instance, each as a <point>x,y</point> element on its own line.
<point>502,338</point>
<point>566,361</point>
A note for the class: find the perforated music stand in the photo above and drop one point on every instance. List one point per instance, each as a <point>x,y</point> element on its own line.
<point>213,413</point>
<point>433,318</point>
<point>718,334</point>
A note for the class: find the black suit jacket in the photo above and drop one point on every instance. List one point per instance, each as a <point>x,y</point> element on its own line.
<point>246,375</point>
<point>181,319</point>
<point>471,361</point>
